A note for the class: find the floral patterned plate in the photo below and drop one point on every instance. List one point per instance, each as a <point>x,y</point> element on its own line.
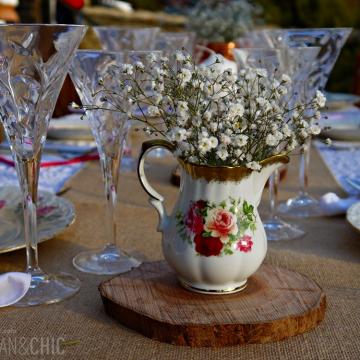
<point>353,216</point>
<point>54,215</point>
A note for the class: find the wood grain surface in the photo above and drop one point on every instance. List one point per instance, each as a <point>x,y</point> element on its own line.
<point>276,304</point>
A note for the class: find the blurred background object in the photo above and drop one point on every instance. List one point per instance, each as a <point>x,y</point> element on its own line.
<point>8,11</point>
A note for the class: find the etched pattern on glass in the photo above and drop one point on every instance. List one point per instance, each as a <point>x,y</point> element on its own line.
<point>122,38</point>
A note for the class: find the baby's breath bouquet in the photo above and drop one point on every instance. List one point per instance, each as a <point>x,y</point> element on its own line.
<point>215,117</point>
<point>221,20</point>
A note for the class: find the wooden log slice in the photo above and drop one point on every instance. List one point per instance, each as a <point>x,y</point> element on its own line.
<point>276,304</point>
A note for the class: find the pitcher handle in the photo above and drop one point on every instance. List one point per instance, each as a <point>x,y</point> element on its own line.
<point>155,199</point>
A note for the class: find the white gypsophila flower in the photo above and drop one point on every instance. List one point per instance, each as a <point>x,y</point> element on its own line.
<point>268,107</point>
<point>253,165</point>
<point>127,89</point>
<point>295,114</point>
<point>203,134</point>
<point>328,141</point>
<point>239,154</point>
<point>127,69</point>
<point>222,152</point>
<point>317,115</point>
<point>303,134</point>
<point>314,129</point>
<point>204,145</point>
<point>286,130</point>
<point>179,56</point>
<point>193,159</point>
<point>225,139</point>
<point>148,130</point>
<point>271,140</point>
<point>153,111</point>
<point>159,87</point>
<point>236,110</point>
<point>139,65</point>
<point>261,72</point>
<point>213,126</point>
<point>292,145</point>
<point>282,90</point>
<point>151,58</point>
<point>213,142</point>
<point>158,72</point>
<point>179,134</point>
<point>182,106</point>
<point>241,140</point>
<point>304,124</point>
<point>285,79</point>
<point>249,76</point>
<point>184,75</point>
<point>320,99</point>
<point>275,84</point>
<point>242,72</point>
<point>261,101</point>
<point>207,115</point>
<point>278,135</point>
<point>157,98</point>
<point>229,76</point>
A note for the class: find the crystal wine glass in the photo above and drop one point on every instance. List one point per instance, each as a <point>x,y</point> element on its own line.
<point>91,72</point>
<point>297,63</point>
<point>34,60</point>
<point>122,38</point>
<point>330,41</point>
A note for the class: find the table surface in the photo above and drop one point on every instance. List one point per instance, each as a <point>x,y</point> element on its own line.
<point>329,254</point>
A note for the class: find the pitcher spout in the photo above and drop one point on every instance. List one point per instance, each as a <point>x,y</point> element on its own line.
<point>268,167</point>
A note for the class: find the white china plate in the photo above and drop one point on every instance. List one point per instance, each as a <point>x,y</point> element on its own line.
<point>70,127</point>
<point>344,125</point>
<point>54,215</point>
<point>353,216</point>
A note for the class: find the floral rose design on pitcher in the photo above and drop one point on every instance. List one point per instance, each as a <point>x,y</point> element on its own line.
<point>218,229</point>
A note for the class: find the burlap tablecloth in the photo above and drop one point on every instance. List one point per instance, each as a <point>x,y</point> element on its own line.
<point>329,254</point>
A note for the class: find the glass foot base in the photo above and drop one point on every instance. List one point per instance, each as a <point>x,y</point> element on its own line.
<point>107,261</point>
<point>302,206</point>
<point>277,229</point>
<point>49,289</point>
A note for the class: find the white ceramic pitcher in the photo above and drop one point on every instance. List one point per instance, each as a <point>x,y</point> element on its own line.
<point>214,239</point>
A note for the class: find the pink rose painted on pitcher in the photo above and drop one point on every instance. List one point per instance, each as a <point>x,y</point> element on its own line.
<point>218,229</point>
<point>221,223</point>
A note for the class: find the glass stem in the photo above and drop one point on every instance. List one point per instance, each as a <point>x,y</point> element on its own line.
<point>304,167</point>
<point>28,169</point>
<point>273,192</point>
<point>110,168</point>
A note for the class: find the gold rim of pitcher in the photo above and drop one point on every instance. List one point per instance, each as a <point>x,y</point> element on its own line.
<point>227,173</point>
